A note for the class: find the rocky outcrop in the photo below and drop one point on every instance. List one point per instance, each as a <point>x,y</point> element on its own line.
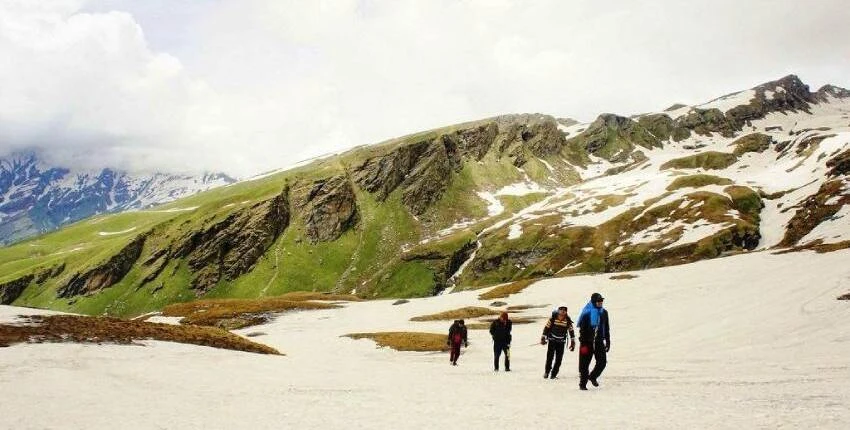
<point>754,142</point>
<point>156,264</point>
<point>827,91</point>
<point>422,169</point>
<point>839,165</point>
<point>383,174</point>
<point>105,274</point>
<point>740,237</point>
<point>11,290</point>
<point>231,247</point>
<point>663,127</point>
<point>430,177</point>
<point>788,94</point>
<point>542,138</point>
<point>329,209</point>
<point>443,263</point>
<point>814,210</point>
<point>707,121</point>
<point>474,142</point>
<point>51,272</point>
<point>614,137</point>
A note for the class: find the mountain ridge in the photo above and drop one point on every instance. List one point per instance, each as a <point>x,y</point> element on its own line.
<point>485,202</point>
<point>36,197</point>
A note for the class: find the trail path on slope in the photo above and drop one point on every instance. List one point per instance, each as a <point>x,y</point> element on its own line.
<point>276,268</point>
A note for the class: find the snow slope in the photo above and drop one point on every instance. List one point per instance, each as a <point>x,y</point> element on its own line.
<point>753,341</point>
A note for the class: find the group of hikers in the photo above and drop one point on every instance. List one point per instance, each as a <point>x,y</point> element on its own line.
<point>594,340</point>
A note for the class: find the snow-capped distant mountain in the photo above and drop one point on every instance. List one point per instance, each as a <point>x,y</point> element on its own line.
<point>36,197</point>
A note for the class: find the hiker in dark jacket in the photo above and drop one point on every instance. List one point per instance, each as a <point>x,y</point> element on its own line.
<point>501,332</point>
<point>595,340</point>
<point>557,329</point>
<point>457,336</point>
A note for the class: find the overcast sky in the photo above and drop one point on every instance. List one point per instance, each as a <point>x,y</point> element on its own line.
<point>245,86</point>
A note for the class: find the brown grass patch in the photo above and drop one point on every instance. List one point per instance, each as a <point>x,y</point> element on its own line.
<point>300,296</point>
<point>238,313</point>
<point>525,307</point>
<point>406,340</point>
<point>817,246</point>
<point>83,329</point>
<point>485,324</point>
<point>468,312</point>
<point>506,290</point>
<point>623,276</point>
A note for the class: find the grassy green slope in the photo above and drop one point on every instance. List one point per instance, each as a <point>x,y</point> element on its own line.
<point>367,257</point>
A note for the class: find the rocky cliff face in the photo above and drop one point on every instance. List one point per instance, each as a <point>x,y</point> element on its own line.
<point>814,210</point>
<point>329,209</point>
<point>707,121</point>
<point>788,94</point>
<point>231,247</point>
<point>11,290</point>
<point>423,169</point>
<point>506,198</point>
<point>839,165</point>
<point>615,137</point>
<point>827,91</point>
<point>105,274</point>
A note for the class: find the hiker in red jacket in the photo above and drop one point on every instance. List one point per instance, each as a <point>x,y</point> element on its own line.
<point>457,336</point>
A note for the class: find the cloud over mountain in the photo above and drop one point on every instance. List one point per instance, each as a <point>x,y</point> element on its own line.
<point>245,86</point>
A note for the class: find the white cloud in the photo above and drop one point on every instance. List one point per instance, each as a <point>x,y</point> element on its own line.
<point>249,85</point>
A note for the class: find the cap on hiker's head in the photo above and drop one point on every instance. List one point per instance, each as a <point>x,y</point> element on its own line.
<point>460,321</point>
<point>596,297</point>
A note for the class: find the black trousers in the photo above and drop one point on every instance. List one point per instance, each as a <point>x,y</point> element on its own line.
<point>455,353</point>
<point>498,348</point>
<point>593,351</point>
<point>556,351</point>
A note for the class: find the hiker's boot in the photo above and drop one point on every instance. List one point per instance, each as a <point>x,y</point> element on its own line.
<point>593,382</point>
<point>582,387</point>
<point>546,375</point>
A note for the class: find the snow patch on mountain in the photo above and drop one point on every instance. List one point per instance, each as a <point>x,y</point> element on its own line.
<point>730,101</point>
<point>36,197</point>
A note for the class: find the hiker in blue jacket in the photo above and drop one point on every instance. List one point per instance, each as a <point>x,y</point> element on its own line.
<point>594,340</point>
